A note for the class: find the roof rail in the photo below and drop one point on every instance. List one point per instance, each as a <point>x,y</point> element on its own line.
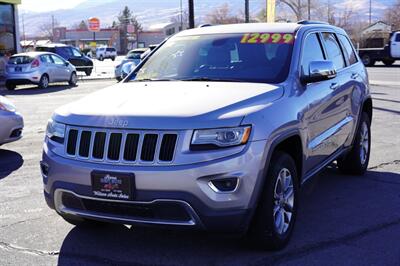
<point>204,25</point>
<point>308,22</point>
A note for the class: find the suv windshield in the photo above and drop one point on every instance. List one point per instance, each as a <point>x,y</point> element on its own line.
<point>254,57</point>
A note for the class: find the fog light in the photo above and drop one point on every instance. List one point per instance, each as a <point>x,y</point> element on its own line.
<point>224,185</point>
<point>44,168</point>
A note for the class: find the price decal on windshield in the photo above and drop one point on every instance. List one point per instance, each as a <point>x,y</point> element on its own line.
<point>282,38</point>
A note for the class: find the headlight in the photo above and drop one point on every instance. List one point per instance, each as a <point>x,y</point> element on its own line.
<point>55,131</point>
<point>221,137</point>
<point>6,105</point>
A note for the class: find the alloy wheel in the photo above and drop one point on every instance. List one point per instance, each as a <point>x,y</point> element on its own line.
<point>283,201</point>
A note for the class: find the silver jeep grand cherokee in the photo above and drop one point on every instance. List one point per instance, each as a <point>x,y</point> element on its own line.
<point>217,129</point>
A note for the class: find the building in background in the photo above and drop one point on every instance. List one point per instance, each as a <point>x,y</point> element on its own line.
<point>84,39</point>
<point>376,35</point>
<point>157,33</point>
<point>9,33</point>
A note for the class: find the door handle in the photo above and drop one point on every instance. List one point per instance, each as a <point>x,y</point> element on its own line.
<point>334,86</point>
<point>354,75</point>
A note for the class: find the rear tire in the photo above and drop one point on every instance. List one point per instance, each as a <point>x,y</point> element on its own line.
<point>356,161</point>
<point>276,213</point>
<point>101,58</point>
<point>73,80</point>
<point>367,60</point>
<point>388,62</point>
<point>44,82</point>
<point>10,86</point>
<point>113,58</point>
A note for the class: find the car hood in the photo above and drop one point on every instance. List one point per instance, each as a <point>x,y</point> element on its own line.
<point>169,105</point>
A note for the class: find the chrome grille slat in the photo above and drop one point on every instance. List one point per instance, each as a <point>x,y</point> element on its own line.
<point>120,146</point>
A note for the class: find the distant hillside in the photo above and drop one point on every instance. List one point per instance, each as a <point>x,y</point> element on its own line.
<point>148,11</point>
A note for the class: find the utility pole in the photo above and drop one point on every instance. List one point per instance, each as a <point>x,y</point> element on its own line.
<point>23,29</point>
<point>370,12</point>
<point>52,28</point>
<point>191,14</point>
<point>246,11</point>
<point>309,9</point>
<point>181,15</point>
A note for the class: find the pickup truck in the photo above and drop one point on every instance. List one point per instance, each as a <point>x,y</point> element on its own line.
<point>217,129</point>
<point>387,54</point>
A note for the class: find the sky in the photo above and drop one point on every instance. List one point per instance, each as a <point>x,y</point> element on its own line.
<point>48,5</point>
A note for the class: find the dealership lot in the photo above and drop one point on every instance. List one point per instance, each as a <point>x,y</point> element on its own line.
<point>342,219</point>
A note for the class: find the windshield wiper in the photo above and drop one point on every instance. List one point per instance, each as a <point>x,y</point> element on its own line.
<point>211,79</point>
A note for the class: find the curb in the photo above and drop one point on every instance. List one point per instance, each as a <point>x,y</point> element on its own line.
<point>383,83</point>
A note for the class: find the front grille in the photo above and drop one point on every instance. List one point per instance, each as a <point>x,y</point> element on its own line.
<point>116,146</point>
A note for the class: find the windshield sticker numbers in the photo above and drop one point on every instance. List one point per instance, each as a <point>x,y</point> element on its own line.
<point>256,38</point>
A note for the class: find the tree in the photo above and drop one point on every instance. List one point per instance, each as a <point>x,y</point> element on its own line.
<point>392,16</point>
<point>80,26</point>
<point>47,29</point>
<point>185,19</point>
<point>223,15</point>
<point>126,18</point>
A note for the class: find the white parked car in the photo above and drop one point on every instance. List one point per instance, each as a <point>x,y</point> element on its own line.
<point>106,52</point>
<point>11,122</point>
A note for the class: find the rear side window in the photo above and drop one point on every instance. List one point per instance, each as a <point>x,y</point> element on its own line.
<point>20,60</point>
<point>110,50</point>
<point>348,49</point>
<point>397,37</point>
<point>46,58</point>
<point>333,50</point>
<point>312,51</point>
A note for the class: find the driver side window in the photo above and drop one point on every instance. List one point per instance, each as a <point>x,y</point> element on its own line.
<point>312,51</point>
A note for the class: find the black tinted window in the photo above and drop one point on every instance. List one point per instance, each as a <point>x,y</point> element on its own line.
<point>312,51</point>
<point>65,52</point>
<point>20,60</point>
<point>397,37</point>
<point>110,50</point>
<point>333,50</point>
<point>348,49</point>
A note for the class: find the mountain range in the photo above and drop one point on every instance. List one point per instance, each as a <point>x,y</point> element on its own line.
<point>151,12</point>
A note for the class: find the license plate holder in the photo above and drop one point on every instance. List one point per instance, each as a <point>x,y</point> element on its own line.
<point>18,69</point>
<point>111,185</point>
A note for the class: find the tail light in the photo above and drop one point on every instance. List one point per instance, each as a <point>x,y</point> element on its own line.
<point>35,63</point>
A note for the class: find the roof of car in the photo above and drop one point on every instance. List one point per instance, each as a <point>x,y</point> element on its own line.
<point>53,45</point>
<point>243,28</point>
<point>256,27</point>
<point>32,54</point>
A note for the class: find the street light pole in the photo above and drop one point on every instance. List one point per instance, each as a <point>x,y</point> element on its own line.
<point>246,11</point>
<point>309,9</point>
<point>370,12</point>
<point>191,14</point>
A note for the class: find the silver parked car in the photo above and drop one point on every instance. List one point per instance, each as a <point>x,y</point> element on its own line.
<point>39,68</point>
<point>217,129</point>
<point>11,122</point>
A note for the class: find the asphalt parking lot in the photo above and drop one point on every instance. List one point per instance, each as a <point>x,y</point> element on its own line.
<point>343,220</point>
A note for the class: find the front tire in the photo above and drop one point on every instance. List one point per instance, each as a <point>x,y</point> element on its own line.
<point>44,82</point>
<point>276,214</point>
<point>88,72</point>
<point>356,161</point>
<point>388,62</point>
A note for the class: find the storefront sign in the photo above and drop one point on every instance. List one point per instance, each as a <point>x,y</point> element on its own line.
<point>94,24</point>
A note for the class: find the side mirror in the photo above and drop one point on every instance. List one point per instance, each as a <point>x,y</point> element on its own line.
<point>319,71</point>
<point>67,63</point>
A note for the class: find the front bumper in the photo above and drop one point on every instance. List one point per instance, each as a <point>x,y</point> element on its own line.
<point>11,127</point>
<point>183,190</point>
